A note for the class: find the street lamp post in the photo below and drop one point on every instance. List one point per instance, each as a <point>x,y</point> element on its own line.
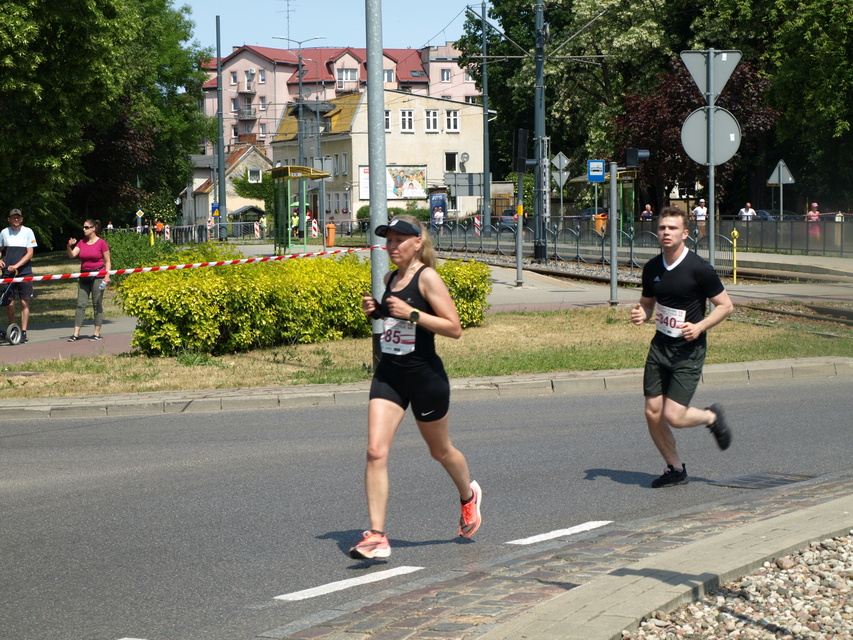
<point>299,128</point>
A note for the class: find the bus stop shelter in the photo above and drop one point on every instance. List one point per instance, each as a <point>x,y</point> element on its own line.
<point>285,189</point>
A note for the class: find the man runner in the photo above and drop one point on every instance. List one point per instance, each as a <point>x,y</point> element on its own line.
<point>676,285</point>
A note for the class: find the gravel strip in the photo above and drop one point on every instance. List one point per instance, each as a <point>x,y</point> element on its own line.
<point>808,594</point>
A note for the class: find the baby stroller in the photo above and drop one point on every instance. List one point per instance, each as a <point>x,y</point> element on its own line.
<point>12,334</point>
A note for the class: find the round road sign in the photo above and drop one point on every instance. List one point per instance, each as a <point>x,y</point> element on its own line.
<point>694,136</point>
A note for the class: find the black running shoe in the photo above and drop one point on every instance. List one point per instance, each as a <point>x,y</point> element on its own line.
<point>24,337</point>
<point>719,428</point>
<point>671,477</point>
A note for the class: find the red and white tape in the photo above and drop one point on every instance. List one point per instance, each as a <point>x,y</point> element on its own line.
<point>176,267</point>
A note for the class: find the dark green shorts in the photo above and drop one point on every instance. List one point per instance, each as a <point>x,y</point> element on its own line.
<point>674,372</point>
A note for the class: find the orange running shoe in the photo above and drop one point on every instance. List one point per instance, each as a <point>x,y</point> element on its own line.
<point>471,519</point>
<point>374,545</point>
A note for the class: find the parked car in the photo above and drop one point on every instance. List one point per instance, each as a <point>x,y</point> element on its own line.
<point>506,221</point>
<point>763,214</point>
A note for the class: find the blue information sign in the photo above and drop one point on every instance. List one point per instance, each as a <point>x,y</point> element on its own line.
<point>595,171</point>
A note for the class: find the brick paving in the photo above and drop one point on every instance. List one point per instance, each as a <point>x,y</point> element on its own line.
<point>467,604</point>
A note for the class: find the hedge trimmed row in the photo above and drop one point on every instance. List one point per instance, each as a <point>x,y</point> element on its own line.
<point>220,310</point>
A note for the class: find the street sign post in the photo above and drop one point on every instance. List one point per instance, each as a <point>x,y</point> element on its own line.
<point>595,171</point>
<point>711,71</point>
<point>780,176</point>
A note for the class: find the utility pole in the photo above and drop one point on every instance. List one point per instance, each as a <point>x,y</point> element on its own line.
<point>223,212</point>
<point>376,158</point>
<point>539,150</point>
<point>299,136</point>
<point>487,179</point>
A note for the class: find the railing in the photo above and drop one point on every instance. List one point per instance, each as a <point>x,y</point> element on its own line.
<point>582,243</point>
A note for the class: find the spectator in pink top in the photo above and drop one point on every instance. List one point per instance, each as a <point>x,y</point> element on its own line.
<point>94,254</point>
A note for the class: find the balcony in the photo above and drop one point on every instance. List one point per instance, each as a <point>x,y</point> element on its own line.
<point>247,86</point>
<point>247,114</point>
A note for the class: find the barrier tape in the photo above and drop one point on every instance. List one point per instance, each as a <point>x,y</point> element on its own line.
<point>176,267</point>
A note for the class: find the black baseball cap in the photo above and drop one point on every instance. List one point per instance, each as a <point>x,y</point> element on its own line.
<point>400,226</point>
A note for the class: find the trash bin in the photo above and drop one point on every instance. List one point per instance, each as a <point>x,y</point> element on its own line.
<point>330,235</point>
<point>600,220</point>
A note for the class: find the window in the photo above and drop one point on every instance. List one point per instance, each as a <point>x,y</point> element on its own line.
<point>387,120</point>
<point>336,165</point>
<point>431,121</point>
<point>235,104</point>
<point>445,75</point>
<point>234,130</point>
<point>407,121</point>
<point>233,77</point>
<point>450,161</point>
<point>474,99</point>
<point>345,167</point>
<point>254,175</point>
<point>452,120</point>
<point>389,75</point>
<point>263,130</point>
<point>262,76</point>
<point>250,127</point>
<point>262,100</point>
<point>346,75</point>
<point>418,73</point>
<point>469,77</point>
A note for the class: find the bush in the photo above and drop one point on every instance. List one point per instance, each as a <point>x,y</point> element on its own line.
<point>129,250</point>
<point>221,310</point>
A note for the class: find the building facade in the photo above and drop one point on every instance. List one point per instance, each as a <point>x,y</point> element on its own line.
<point>259,83</point>
<point>425,138</point>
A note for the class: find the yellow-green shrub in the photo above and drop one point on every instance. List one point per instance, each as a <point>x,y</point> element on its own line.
<point>234,308</point>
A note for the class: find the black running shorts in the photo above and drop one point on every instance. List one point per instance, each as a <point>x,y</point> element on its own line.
<point>674,372</point>
<point>425,386</point>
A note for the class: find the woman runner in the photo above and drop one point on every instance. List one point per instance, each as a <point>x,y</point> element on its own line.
<point>416,306</point>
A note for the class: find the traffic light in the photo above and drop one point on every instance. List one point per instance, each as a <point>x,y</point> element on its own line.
<point>633,157</point>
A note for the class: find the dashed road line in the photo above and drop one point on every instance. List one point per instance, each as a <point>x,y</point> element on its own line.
<point>586,526</point>
<point>346,584</point>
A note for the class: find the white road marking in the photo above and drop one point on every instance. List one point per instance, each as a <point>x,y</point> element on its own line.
<point>586,526</point>
<point>346,584</point>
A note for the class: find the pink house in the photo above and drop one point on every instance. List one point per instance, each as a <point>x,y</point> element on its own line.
<point>260,82</point>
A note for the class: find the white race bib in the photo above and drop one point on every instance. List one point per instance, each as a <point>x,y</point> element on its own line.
<point>398,338</point>
<point>669,321</point>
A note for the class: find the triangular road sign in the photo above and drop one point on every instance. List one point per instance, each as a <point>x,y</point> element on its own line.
<point>780,175</point>
<point>697,64</point>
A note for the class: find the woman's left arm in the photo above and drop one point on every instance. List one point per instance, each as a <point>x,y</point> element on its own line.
<point>108,265</point>
<point>445,320</point>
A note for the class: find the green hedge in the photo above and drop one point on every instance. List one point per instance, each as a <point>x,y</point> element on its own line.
<point>227,309</point>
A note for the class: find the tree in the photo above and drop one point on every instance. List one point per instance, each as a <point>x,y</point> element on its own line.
<point>83,78</point>
<point>654,120</point>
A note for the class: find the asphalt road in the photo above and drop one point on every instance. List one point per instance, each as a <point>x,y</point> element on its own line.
<point>187,527</point>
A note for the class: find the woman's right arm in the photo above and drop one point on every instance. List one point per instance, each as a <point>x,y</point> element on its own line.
<point>73,249</point>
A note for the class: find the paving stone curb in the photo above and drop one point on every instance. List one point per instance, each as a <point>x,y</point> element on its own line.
<point>243,399</point>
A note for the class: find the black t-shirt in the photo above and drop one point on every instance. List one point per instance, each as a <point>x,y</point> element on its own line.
<point>685,287</point>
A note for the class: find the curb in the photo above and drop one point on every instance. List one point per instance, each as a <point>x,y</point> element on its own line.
<point>620,600</point>
<point>243,399</point>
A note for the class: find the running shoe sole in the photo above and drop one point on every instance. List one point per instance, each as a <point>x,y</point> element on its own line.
<point>369,550</point>
<point>720,428</point>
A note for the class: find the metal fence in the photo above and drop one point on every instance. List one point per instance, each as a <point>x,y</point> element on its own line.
<point>583,244</point>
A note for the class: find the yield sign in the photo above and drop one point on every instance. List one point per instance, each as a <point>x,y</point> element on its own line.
<point>780,175</point>
<point>724,63</point>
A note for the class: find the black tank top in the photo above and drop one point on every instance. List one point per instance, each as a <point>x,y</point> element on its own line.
<point>424,338</point>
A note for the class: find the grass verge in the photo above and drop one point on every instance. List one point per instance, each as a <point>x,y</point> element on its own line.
<point>512,343</point>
